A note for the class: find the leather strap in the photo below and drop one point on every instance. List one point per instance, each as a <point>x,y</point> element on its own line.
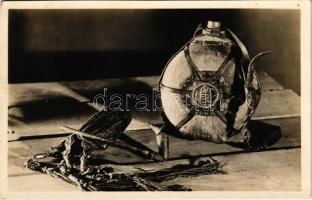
<point>186,119</point>
<point>224,65</point>
<point>173,90</point>
<point>245,56</point>
<point>190,63</point>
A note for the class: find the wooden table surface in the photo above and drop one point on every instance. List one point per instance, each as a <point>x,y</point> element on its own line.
<point>36,112</point>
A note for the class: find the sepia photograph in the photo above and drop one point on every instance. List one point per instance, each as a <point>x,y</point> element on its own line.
<point>156,96</point>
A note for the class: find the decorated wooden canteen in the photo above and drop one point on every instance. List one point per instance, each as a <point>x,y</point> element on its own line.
<point>209,88</point>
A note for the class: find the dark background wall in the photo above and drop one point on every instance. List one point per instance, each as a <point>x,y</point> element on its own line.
<point>53,45</point>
